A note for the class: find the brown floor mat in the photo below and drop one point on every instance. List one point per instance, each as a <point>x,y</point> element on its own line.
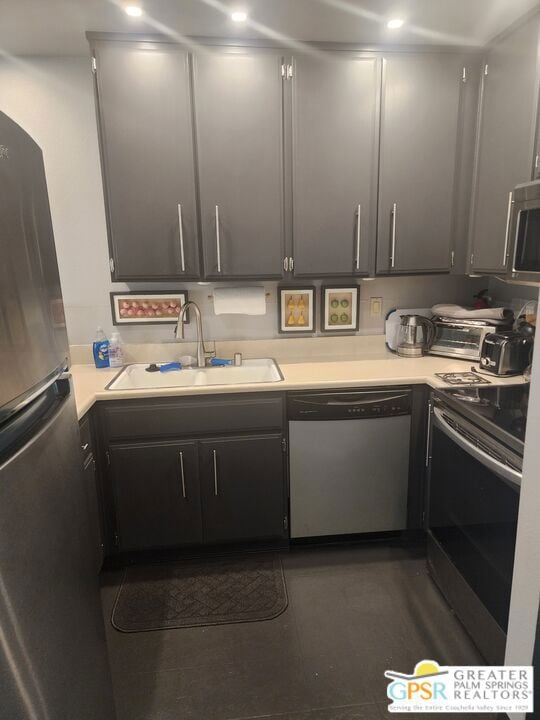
<point>212,591</point>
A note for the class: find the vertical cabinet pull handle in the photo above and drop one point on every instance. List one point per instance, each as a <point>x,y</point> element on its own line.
<point>181,233</point>
<point>218,241</point>
<point>394,219</point>
<point>358,231</point>
<point>286,264</point>
<point>214,459</point>
<point>182,475</point>
<point>428,433</point>
<point>508,216</point>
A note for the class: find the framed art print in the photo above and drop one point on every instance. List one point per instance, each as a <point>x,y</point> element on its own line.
<point>340,308</point>
<point>146,308</point>
<point>296,309</point>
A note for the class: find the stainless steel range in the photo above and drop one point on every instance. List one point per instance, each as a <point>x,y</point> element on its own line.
<point>477,439</point>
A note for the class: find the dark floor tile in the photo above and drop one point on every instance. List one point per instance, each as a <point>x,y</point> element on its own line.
<point>250,689</point>
<point>308,559</point>
<point>353,712</point>
<point>158,651</point>
<point>154,696</point>
<point>353,613</point>
<point>435,716</point>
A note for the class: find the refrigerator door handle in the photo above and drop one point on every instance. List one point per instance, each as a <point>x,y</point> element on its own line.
<point>60,374</point>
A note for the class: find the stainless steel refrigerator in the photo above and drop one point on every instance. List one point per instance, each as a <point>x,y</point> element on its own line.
<point>53,657</point>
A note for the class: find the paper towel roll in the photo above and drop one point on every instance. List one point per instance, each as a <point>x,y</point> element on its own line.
<point>240,301</point>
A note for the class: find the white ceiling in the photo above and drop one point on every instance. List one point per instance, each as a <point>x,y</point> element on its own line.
<point>57,27</point>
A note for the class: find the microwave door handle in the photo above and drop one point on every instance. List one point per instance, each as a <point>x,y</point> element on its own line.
<point>507,234</point>
<point>503,471</point>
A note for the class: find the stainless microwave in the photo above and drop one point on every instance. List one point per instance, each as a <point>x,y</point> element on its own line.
<point>524,234</point>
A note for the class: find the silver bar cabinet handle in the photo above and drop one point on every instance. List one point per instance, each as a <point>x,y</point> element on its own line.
<point>216,489</point>
<point>393,256</point>
<point>218,241</point>
<point>428,433</point>
<point>181,231</point>
<point>358,221</point>
<point>182,475</point>
<point>508,216</point>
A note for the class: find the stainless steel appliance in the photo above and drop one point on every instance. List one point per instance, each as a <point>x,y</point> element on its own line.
<point>461,338</point>
<point>506,353</point>
<point>53,660</point>
<point>523,234</point>
<point>477,438</point>
<point>349,461</point>
<point>415,336</point>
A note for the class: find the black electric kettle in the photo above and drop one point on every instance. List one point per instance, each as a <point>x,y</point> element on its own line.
<point>416,336</point>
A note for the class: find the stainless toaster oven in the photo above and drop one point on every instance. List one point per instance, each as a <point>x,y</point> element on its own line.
<point>461,339</point>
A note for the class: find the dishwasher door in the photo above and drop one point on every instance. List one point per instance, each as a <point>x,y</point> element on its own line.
<point>349,476</point>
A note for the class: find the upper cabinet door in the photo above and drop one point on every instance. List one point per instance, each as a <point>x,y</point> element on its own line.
<point>148,160</point>
<point>335,156</point>
<point>239,119</point>
<point>419,135</point>
<point>506,141</point>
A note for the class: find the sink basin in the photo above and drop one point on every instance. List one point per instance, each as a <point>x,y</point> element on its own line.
<point>135,377</point>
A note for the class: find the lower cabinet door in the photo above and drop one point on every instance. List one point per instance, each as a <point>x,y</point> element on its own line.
<point>243,488</point>
<point>156,494</point>
<point>90,486</point>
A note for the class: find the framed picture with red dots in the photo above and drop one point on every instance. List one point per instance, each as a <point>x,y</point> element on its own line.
<point>147,308</point>
<point>340,308</point>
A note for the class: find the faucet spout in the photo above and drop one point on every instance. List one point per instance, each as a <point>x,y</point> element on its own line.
<point>179,330</point>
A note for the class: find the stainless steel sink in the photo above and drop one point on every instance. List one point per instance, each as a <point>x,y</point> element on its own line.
<point>136,377</point>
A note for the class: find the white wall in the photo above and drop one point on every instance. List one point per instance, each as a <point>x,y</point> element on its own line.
<point>52,98</point>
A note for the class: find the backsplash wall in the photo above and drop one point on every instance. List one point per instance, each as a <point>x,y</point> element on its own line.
<point>52,98</point>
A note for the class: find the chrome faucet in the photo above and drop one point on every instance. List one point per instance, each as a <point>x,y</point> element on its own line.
<point>179,331</point>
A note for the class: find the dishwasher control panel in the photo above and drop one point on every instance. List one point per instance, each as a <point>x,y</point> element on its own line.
<point>349,405</point>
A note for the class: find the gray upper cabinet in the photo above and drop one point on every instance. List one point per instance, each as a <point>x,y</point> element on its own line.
<point>145,113</point>
<point>420,111</point>
<point>335,156</point>
<point>506,141</point>
<point>239,119</point>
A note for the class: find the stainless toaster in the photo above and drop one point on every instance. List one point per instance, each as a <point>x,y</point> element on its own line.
<point>506,353</point>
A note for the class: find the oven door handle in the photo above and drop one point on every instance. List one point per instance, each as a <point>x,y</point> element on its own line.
<point>500,469</point>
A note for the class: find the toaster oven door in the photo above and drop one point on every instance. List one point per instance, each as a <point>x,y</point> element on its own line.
<point>458,340</point>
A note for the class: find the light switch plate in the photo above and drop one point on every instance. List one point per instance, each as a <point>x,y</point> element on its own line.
<point>375,306</point>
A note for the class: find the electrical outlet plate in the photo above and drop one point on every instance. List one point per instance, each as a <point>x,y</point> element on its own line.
<point>375,306</point>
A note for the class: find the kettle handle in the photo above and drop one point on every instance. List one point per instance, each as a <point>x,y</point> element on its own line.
<point>429,328</point>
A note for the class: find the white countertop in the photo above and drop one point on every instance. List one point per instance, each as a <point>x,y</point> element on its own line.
<point>387,369</point>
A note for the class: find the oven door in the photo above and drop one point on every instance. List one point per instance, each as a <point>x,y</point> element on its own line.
<point>524,234</point>
<point>473,510</point>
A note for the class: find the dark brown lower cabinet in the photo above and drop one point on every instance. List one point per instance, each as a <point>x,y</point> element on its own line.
<point>173,493</point>
<point>156,494</point>
<point>243,488</point>
<point>90,486</point>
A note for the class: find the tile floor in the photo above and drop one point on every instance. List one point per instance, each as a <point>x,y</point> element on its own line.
<point>354,611</point>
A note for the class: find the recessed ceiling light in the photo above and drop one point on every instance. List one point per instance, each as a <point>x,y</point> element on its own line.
<point>133,10</point>
<point>395,23</point>
<point>239,16</point>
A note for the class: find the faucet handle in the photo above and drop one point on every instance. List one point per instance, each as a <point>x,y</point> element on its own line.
<point>209,353</point>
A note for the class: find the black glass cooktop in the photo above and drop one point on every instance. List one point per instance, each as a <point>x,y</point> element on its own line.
<point>504,406</point>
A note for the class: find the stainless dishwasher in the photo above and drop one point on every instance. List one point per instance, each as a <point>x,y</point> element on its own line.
<point>349,461</point>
